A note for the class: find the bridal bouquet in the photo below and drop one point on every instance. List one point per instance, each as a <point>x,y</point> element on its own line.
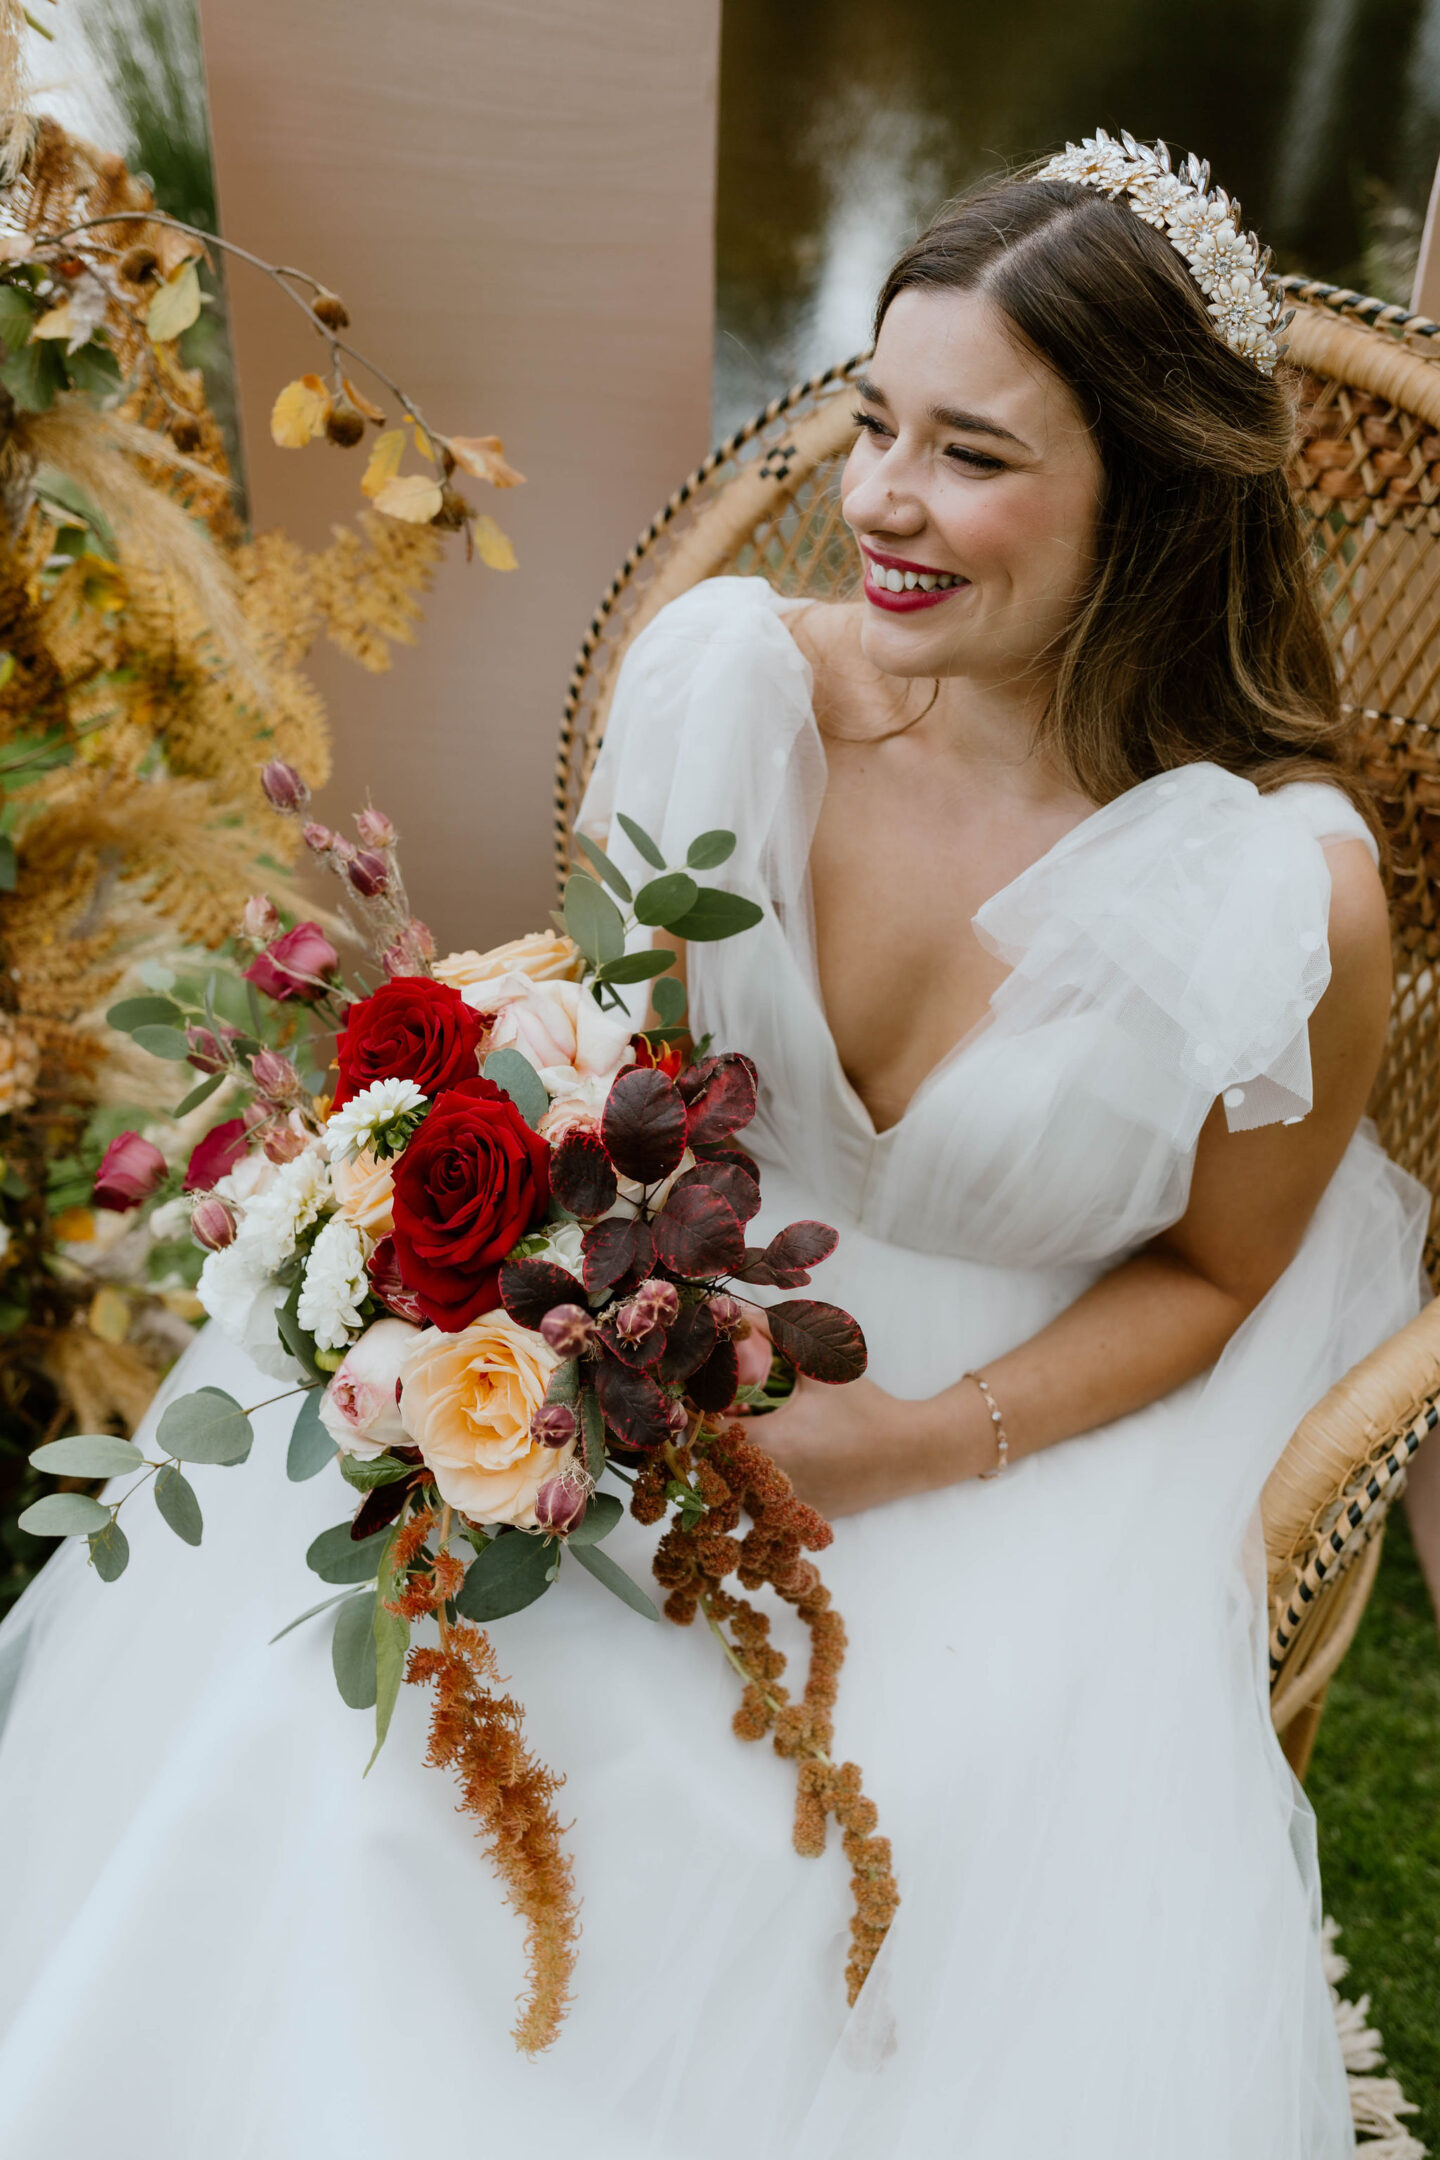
<point>493,1239</point>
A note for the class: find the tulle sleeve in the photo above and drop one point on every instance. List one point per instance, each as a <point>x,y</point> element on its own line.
<point>1192,914</point>
<point>709,727</point>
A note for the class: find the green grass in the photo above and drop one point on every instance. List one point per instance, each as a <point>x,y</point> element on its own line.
<point>1375,1785</point>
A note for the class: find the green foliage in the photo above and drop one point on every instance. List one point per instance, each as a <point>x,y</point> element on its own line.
<point>392,1640</point>
<point>601,864</point>
<point>206,1427</point>
<point>64,1514</point>
<point>88,1455</point>
<point>598,1521</point>
<point>710,850</point>
<point>366,1472</point>
<point>1375,1787</point>
<point>640,840</point>
<point>520,1081</point>
<point>311,1446</point>
<point>336,1557</point>
<point>666,900</point>
<point>352,1652</point>
<point>604,1569</point>
<point>593,920</point>
<point>110,1552</point>
<point>175,1498</point>
<point>515,1568</point>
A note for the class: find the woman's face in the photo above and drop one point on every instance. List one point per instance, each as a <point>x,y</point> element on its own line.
<point>974,466</point>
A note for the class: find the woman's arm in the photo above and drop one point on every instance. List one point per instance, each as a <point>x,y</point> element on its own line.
<point>1158,1319</point>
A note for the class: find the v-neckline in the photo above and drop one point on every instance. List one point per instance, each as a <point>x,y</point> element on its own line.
<point>808,965</point>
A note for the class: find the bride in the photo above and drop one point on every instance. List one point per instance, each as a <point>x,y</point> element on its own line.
<point>1070,990</point>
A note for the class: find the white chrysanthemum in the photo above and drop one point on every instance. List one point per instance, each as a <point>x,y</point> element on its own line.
<point>241,1296</point>
<point>334,1286</point>
<point>294,1198</point>
<point>380,1119</point>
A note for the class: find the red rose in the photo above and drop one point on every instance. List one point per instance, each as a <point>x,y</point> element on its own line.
<point>295,966</point>
<point>130,1171</point>
<point>216,1155</point>
<point>469,1185</point>
<point>409,1029</point>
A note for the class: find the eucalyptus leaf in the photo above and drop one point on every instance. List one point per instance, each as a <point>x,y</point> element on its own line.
<point>292,1335</point>
<point>206,1427</point>
<point>34,376</point>
<point>155,975</point>
<point>170,1043</point>
<point>324,1606</point>
<point>593,920</point>
<point>669,1000</point>
<point>88,1455</point>
<point>709,850</point>
<point>511,1573</point>
<point>64,1514</point>
<point>520,1081</point>
<point>666,900</point>
<point>716,915</point>
<point>601,864</point>
<point>311,1447</point>
<point>336,1557</point>
<point>352,1652</point>
<point>175,1498</point>
<point>636,967</point>
<point>592,1426</point>
<point>392,1640</point>
<point>365,1473</point>
<point>599,1519</point>
<point>199,1094</point>
<point>144,1012</point>
<point>603,1568</point>
<point>110,1551</point>
<point>640,840</point>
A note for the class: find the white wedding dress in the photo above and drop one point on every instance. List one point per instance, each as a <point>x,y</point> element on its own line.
<point>217,1943</point>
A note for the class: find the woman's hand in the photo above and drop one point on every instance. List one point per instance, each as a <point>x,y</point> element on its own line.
<point>853,1447</point>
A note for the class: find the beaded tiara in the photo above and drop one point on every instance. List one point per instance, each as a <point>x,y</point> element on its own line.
<point>1201,224</point>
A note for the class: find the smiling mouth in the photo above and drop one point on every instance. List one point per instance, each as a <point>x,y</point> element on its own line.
<point>901,587</point>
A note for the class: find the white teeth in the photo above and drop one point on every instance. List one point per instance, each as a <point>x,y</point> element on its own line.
<point>926,582</point>
<point>895,579</point>
<point>911,581</point>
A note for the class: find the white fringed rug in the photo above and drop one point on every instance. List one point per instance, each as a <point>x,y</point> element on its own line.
<point>1377,2103</point>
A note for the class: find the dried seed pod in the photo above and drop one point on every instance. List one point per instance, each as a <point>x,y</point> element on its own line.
<point>454,512</point>
<point>284,788</point>
<point>138,265</point>
<point>331,310</point>
<point>344,424</point>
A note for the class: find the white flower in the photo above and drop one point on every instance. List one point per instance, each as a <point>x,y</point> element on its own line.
<point>334,1286</point>
<point>172,1218</point>
<point>288,1203</point>
<point>241,1297</point>
<point>562,1243</point>
<point>1154,195</point>
<point>379,1120</point>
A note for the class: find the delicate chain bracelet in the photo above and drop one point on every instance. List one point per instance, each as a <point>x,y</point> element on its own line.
<point>1002,1438</point>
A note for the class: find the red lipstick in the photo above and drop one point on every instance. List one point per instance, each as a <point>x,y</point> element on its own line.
<point>905,602</point>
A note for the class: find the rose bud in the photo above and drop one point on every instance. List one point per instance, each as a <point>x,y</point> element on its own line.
<point>130,1171</point>
<point>567,1329</point>
<point>261,919</point>
<point>331,310</point>
<point>294,966</point>
<point>207,1052</point>
<point>559,1505</point>
<point>727,1313</point>
<point>659,1298</point>
<point>275,1076</point>
<point>411,952</point>
<point>369,874</point>
<point>554,1425</point>
<point>212,1223</point>
<point>374,828</point>
<point>385,1280</point>
<point>360,1409</point>
<point>284,788</point>
<point>318,838</point>
<point>282,1143</point>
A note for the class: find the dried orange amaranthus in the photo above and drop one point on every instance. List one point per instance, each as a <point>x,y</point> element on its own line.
<point>729,1474</point>
<point>478,1733</point>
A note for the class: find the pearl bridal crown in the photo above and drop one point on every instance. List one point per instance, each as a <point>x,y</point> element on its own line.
<point>1201,224</point>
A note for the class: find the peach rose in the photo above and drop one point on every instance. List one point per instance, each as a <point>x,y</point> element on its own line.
<point>365,1191</point>
<point>575,1047</point>
<point>543,955</point>
<point>467,1401</point>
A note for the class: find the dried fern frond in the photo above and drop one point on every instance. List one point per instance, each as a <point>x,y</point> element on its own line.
<point>16,125</point>
<point>368,586</point>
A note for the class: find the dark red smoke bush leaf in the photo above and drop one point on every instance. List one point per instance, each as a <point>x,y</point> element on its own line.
<point>818,1339</point>
<point>635,1410</point>
<point>720,1097</point>
<point>697,1233</point>
<point>643,1126</point>
<point>581,1176</point>
<point>791,1253</point>
<point>529,1287</point>
<point>740,1187</point>
<point>690,1341</point>
<point>615,1249</point>
<point>713,1386</point>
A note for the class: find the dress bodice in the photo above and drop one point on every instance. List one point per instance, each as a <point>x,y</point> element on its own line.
<point>1167,950</point>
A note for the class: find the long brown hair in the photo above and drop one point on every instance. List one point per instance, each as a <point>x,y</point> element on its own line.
<point>1198,636</point>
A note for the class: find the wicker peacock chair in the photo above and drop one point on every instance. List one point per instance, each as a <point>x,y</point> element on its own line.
<point>1368,476</point>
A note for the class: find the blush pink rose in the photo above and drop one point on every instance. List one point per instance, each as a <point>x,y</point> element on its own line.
<point>360,1409</point>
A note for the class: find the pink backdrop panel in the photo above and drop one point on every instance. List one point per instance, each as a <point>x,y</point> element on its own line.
<point>516,204</point>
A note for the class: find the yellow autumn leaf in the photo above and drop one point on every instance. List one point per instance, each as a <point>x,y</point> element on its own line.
<point>56,322</point>
<point>175,306</point>
<point>481,455</point>
<point>109,1314</point>
<point>384,461</point>
<point>411,496</point>
<point>495,549</point>
<point>299,413</point>
<point>363,404</point>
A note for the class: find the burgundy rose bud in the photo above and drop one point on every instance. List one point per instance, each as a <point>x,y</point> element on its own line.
<point>261,919</point>
<point>130,1171</point>
<point>385,1280</point>
<point>660,1299</point>
<point>294,967</point>
<point>554,1425</point>
<point>559,1505</point>
<point>284,788</point>
<point>567,1329</point>
<point>411,952</point>
<point>216,1155</point>
<point>318,838</point>
<point>275,1076</point>
<point>212,1223</point>
<point>374,828</point>
<point>281,1142</point>
<point>207,1052</point>
<point>369,874</point>
<point>727,1313</point>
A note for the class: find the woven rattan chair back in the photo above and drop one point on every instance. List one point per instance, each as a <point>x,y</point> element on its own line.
<point>766,504</point>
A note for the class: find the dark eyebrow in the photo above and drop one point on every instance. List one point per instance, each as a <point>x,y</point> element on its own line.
<point>965,423</point>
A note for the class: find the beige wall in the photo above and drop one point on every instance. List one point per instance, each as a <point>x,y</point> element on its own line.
<point>515,202</point>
